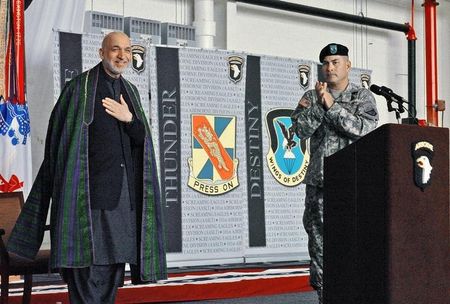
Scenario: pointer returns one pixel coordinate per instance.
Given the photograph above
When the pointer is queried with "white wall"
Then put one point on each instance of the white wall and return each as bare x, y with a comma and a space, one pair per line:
176, 11
266, 31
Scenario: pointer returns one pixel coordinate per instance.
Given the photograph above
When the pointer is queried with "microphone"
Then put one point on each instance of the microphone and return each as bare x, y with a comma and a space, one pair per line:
386, 93
390, 96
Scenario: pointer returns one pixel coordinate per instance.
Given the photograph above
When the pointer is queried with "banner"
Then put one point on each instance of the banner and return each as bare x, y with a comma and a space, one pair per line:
255, 159
230, 166
283, 82
169, 143
70, 56
212, 148
15, 146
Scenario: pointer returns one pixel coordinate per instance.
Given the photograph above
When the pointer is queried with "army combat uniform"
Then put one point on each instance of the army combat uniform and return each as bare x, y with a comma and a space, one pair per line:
352, 115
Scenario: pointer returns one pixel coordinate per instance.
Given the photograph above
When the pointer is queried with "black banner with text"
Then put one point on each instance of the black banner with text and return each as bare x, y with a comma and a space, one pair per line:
70, 56
168, 77
255, 160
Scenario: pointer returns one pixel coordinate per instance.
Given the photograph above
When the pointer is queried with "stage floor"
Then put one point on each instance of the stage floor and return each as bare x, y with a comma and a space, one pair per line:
195, 284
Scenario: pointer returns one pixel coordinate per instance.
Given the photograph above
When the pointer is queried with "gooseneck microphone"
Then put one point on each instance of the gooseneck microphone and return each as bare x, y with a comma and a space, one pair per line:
386, 93
390, 97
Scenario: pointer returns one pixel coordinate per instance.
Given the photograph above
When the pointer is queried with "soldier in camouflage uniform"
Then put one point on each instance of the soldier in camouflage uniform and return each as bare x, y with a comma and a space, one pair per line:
333, 115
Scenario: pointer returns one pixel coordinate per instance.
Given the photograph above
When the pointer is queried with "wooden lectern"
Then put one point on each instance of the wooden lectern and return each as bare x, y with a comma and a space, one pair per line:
386, 241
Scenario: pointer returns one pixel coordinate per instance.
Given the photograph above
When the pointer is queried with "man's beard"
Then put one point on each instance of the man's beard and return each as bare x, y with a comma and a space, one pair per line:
109, 65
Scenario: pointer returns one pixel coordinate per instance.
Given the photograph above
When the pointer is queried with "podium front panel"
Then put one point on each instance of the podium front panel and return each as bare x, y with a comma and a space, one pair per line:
386, 240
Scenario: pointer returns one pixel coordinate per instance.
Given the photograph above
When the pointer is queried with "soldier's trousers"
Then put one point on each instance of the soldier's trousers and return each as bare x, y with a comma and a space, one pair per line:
313, 223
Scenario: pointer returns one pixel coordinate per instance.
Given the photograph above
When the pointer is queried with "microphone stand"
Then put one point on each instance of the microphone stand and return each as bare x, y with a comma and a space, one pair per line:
397, 111
412, 120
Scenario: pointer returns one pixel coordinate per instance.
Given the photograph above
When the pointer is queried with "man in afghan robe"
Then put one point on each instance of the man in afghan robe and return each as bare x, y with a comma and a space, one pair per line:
100, 174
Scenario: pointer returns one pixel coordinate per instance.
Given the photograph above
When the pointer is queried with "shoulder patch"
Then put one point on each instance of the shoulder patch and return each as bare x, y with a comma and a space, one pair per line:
305, 103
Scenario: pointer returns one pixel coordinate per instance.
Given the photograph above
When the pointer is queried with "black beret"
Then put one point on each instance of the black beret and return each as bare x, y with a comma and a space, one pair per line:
333, 49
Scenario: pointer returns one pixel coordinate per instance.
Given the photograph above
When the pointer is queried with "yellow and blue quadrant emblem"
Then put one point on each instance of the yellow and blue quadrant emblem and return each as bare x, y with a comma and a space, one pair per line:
213, 165
288, 156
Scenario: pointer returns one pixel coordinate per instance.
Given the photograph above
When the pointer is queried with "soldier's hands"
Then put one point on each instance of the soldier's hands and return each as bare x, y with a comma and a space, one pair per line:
117, 110
323, 95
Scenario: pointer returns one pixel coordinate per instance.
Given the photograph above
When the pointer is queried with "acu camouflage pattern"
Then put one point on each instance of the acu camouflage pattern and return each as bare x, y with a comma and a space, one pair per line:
313, 223
353, 115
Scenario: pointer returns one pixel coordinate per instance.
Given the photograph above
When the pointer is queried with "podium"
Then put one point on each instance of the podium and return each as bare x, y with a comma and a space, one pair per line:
386, 240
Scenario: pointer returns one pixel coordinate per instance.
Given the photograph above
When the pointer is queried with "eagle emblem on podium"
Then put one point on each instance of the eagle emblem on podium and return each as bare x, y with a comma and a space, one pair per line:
422, 152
